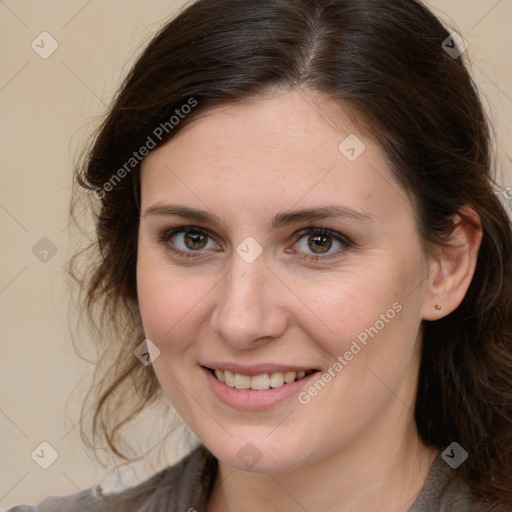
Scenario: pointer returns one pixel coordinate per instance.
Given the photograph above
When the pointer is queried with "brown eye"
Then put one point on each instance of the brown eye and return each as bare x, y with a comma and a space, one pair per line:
186, 241
319, 243
195, 240
315, 243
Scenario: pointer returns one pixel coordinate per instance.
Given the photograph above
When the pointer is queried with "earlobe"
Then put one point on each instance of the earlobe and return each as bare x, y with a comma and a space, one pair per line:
453, 266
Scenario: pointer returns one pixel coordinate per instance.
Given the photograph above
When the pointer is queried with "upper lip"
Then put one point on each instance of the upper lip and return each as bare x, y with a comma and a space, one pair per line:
256, 369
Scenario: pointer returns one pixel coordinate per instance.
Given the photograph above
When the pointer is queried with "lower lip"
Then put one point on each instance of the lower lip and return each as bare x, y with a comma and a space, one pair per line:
250, 399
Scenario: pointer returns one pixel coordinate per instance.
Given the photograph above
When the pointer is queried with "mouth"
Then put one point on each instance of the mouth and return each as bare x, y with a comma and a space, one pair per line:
261, 382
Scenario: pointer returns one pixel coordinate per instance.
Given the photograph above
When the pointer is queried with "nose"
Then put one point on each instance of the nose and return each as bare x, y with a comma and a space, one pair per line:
249, 310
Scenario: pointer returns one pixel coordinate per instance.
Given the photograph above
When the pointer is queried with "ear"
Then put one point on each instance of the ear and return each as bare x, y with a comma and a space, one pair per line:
453, 266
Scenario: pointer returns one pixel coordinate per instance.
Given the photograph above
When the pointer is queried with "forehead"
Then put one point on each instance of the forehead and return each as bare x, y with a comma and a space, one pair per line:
297, 121
270, 153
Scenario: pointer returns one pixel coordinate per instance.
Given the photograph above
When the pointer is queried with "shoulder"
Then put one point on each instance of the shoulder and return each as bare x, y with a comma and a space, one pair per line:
185, 484
444, 491
83, 501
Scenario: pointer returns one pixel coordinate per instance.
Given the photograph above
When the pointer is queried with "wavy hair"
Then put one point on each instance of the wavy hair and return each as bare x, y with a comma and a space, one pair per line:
384, 60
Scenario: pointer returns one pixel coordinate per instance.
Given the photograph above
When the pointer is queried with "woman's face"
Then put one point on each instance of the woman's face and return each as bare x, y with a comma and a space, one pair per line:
248, 287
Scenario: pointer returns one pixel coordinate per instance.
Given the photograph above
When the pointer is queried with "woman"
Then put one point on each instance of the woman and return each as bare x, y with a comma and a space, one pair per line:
300, 248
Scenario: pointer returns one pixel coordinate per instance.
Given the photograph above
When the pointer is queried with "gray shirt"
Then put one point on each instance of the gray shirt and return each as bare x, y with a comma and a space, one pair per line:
185, 486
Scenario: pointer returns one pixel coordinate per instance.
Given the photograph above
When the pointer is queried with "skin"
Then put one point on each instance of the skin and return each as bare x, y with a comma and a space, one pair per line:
354, 446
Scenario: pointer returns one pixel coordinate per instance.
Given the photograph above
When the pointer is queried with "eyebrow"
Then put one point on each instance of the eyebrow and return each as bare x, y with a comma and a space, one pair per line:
280, 220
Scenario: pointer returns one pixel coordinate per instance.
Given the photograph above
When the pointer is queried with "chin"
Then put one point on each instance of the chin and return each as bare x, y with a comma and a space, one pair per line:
258, 454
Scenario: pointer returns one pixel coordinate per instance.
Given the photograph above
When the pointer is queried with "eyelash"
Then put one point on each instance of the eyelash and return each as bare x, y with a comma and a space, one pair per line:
167, 234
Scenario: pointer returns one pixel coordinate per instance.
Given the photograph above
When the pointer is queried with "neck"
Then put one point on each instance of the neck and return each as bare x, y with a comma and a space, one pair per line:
365, 477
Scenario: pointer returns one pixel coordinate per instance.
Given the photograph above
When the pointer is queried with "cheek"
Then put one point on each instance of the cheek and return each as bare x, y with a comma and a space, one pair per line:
168, 301
372, 320
371, 314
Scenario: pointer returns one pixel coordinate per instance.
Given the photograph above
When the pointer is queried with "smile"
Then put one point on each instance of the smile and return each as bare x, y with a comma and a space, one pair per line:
259, 382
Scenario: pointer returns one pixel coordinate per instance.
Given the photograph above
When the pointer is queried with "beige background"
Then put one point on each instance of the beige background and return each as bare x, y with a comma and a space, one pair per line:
47, 107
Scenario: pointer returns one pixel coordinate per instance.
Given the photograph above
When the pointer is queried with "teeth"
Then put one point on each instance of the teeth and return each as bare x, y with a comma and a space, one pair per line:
276, 380
289, 377
229, 379
259, 382
242, 381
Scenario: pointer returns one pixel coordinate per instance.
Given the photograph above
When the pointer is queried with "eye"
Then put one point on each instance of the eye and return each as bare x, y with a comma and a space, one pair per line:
319, 241
188, 240
191, 241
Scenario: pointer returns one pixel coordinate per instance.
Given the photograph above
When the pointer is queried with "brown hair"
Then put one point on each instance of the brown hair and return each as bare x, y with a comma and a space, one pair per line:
385, 60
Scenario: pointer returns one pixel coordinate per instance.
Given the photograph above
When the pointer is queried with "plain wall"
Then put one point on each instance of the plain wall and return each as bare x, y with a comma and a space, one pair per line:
47, 108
